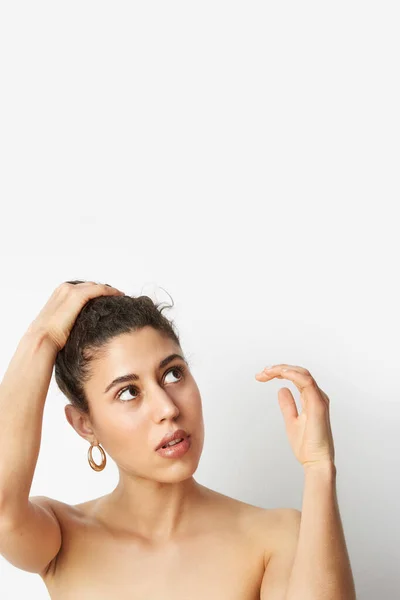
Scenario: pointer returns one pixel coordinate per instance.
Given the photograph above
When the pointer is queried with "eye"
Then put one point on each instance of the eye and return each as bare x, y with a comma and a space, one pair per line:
179, 369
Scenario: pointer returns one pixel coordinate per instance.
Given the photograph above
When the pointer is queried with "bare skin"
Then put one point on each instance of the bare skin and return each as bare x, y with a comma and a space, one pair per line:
222, 553
158, 534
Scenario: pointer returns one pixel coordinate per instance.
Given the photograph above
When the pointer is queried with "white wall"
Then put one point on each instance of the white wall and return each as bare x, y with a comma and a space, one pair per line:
245, 158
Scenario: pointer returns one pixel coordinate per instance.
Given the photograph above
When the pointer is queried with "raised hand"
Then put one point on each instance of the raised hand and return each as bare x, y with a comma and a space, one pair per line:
309, 433
58, 315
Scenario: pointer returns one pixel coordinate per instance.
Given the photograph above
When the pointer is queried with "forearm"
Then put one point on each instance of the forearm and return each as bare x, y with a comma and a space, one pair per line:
321, 569
23, 392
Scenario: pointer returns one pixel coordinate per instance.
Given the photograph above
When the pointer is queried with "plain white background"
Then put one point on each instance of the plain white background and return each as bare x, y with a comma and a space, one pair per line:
245, 157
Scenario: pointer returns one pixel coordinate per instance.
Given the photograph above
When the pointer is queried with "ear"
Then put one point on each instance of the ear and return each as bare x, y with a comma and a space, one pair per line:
80, 422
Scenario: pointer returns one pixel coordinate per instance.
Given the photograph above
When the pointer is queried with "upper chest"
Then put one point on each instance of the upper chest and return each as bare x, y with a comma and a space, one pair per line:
226, 561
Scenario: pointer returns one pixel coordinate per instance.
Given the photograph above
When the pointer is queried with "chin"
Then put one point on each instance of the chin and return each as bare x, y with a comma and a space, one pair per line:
176, 471
173, 478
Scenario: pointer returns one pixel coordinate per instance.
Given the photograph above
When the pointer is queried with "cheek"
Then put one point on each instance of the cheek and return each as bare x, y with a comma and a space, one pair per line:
128, 439
120, 428
191, 404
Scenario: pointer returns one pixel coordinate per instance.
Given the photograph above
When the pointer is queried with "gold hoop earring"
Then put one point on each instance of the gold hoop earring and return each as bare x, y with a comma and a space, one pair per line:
95, 466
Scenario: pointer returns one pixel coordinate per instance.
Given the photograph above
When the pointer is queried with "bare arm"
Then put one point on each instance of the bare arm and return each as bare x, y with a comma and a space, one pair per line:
23, 392
30, 534
280, 563
321, 568
24, 388
310, 561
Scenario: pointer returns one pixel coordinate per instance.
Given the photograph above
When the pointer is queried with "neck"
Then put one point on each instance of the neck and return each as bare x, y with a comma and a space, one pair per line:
155, 511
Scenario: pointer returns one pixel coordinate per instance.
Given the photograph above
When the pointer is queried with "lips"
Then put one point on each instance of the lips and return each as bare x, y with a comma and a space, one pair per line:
175, 435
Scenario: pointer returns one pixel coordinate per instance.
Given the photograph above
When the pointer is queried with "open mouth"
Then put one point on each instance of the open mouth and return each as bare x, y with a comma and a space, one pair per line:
173, 443
176, 448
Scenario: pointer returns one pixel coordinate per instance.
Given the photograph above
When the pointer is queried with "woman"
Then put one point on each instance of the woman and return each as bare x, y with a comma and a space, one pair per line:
159, 533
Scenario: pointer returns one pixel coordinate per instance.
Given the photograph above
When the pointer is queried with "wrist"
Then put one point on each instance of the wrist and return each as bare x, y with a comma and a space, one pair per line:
323, 466
38, 336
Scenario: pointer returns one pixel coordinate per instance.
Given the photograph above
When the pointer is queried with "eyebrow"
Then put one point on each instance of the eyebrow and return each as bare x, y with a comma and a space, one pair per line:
133, 377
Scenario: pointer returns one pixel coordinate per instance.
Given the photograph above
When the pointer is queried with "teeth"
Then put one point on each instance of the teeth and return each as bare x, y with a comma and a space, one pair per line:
173, 443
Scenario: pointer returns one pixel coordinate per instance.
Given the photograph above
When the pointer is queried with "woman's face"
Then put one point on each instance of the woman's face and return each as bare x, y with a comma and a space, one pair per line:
130, 418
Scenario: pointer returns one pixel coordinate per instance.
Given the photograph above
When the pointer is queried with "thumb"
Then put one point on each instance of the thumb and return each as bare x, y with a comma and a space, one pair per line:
288, 406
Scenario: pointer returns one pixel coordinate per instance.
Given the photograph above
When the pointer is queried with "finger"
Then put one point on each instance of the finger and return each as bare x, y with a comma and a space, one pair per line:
325, 397
111, 289
301, 378
105, 288
269, 373
275, 369
288, 406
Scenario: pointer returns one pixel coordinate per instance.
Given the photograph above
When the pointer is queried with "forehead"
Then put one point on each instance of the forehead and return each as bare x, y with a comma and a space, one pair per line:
139, 349
135, 354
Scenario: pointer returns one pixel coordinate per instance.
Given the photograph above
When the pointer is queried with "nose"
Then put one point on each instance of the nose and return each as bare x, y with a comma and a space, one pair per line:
162, 406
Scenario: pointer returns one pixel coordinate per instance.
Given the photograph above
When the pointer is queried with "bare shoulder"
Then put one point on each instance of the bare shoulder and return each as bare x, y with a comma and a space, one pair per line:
272, 529
51, 505
279, 530
55, 506
286, 519
278, 567
286, 527
63, 511
275, 519
271, 515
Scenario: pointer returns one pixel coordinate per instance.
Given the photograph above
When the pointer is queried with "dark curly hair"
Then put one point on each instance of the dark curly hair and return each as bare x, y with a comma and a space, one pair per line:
101, 319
